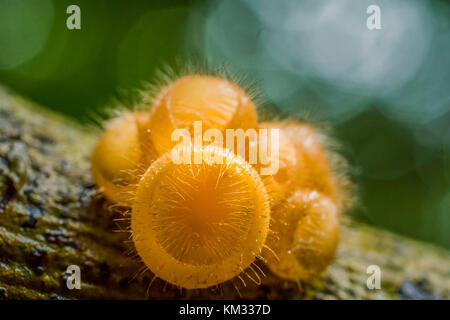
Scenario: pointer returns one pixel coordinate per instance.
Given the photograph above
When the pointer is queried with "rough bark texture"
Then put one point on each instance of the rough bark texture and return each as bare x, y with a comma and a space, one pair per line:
51, 217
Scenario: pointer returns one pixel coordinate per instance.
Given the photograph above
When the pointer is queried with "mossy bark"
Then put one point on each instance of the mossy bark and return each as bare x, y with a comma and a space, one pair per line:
51, 218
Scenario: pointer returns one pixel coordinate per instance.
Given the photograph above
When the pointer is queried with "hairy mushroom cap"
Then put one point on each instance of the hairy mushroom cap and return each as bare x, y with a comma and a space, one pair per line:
217, 102
118, 159
307, 236
198, 225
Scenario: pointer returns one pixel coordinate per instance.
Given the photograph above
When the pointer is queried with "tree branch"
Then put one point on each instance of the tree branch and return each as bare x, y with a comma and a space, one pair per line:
51, 218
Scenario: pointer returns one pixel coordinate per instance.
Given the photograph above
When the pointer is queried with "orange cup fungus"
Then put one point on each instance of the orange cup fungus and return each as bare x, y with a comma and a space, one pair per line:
119, 160
305, 226
218, 103
306, 236
198, 224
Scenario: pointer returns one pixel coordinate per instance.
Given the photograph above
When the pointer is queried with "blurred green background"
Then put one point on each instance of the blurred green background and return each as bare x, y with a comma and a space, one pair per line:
385, 92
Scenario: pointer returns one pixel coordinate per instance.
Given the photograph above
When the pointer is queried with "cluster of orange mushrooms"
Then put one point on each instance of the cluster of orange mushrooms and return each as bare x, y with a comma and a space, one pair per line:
196, 225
